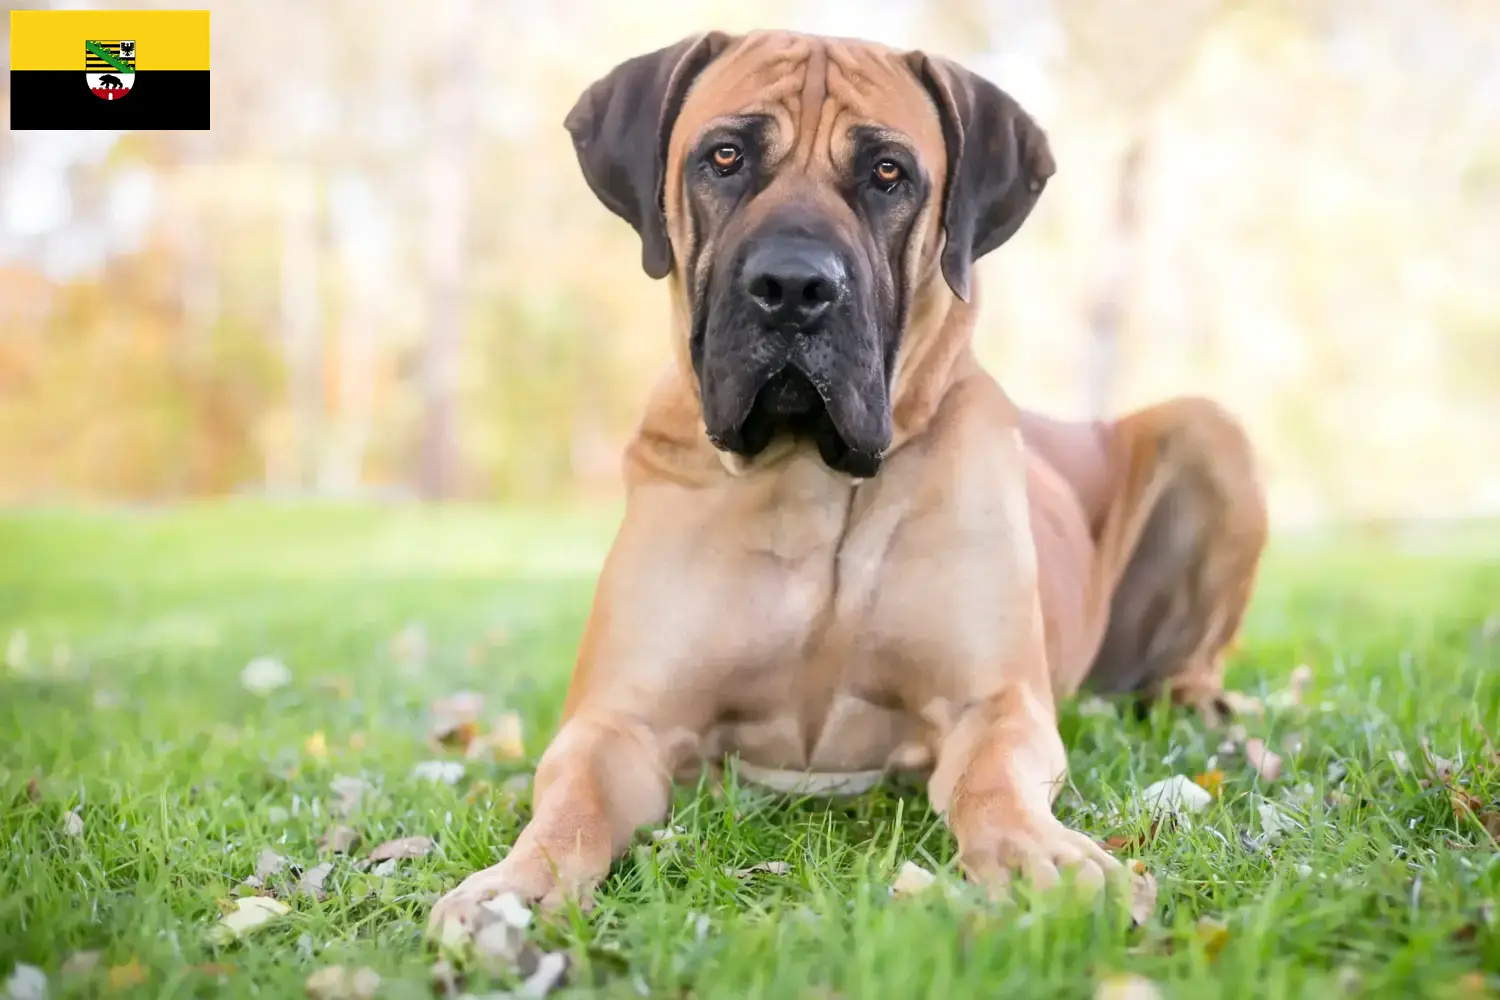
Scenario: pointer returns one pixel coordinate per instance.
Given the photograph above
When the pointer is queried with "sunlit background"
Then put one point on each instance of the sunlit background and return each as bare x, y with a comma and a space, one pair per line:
382, 275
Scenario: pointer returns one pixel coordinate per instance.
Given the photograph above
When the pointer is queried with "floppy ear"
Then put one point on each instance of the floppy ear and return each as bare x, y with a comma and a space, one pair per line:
998, 163
620, 127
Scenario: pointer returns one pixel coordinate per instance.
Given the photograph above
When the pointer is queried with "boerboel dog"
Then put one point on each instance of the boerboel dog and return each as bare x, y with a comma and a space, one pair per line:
845, 552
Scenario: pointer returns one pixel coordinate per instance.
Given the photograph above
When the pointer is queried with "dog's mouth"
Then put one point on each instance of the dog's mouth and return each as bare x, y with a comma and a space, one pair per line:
790, 403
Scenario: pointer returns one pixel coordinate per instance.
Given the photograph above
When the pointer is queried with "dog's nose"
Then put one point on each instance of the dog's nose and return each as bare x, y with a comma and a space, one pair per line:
794, 282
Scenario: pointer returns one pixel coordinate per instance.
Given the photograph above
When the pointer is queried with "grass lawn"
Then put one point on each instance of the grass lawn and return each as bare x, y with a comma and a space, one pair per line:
123, 636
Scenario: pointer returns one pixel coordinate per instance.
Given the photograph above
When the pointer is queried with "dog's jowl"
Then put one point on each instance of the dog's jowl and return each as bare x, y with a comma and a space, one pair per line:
845, 552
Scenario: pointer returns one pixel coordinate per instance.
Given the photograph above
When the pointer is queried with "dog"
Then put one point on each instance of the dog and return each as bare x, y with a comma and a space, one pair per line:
845, 552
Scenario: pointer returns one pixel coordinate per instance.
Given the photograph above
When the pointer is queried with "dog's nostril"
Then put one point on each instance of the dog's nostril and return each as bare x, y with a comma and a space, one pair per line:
767, 289
815, 293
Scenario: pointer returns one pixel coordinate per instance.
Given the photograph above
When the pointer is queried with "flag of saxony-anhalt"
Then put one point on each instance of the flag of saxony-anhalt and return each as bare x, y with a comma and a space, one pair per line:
109, 69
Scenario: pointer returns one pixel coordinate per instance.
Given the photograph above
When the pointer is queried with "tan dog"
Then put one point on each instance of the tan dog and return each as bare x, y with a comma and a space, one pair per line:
845, 552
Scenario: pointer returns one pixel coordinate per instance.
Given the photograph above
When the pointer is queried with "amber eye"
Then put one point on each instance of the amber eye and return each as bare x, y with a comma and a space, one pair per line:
888, 173
726, 159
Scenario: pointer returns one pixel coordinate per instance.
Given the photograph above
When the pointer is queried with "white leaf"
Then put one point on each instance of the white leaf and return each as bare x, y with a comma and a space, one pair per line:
1177, 794
548, 975
912, 879
313, 879
264, 674
446, 771
1142, 892
1274, 822
508, 909
73, 824
26, 982
249, 913
269, 863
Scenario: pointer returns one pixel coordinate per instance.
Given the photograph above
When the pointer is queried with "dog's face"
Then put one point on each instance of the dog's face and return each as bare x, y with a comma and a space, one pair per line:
807, 191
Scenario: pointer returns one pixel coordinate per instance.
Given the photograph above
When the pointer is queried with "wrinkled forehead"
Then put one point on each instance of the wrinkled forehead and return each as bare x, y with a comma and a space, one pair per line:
816, 92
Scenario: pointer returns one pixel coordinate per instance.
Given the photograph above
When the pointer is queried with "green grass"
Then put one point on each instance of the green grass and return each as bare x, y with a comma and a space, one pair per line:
126, 705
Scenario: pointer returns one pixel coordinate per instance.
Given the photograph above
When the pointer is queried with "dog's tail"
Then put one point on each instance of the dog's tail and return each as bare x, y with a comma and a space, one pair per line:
1180, 547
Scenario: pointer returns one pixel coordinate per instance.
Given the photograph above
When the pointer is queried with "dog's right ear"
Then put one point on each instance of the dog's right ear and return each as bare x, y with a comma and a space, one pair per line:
620, 127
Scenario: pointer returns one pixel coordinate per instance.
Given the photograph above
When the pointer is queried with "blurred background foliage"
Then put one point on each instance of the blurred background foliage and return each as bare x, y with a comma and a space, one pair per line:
381, 273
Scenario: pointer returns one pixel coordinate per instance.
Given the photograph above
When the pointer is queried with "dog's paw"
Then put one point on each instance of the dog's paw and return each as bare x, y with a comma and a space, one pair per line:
1042, 854
531, 878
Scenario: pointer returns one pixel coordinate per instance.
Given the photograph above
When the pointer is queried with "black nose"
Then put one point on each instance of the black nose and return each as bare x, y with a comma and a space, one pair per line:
793, 282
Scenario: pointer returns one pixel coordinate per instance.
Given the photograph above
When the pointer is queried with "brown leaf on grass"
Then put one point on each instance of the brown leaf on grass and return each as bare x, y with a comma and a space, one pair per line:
335, 982
1212, 934
34, 790
1266, 762
455, 721
505, 742
339, 840
1142, 891
1135, 841
1211, 782
1126, 986
123, 977
769, 867
1440, 768
404, 847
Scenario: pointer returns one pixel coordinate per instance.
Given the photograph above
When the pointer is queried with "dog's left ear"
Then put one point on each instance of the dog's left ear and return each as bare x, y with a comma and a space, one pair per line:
998, 163
620, 127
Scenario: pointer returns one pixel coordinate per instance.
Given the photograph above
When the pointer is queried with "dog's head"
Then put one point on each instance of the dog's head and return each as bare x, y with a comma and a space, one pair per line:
808, 191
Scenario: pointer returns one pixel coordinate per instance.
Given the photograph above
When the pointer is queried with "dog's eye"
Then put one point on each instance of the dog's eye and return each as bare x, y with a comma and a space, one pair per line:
726, 159
888, 174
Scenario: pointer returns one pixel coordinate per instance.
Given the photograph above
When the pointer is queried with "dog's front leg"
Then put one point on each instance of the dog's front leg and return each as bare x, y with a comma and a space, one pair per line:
602, 777
998, 771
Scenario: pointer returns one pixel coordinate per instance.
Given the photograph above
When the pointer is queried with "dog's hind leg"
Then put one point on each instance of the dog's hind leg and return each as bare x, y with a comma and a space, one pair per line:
1182, 541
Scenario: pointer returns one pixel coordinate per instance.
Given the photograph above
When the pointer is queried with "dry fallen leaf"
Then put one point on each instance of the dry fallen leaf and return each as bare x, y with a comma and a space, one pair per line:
404, 847
1177, 794
446, 771
339, 840
1126, 986
33, 790
455, 720
80, 963
1266, 762
123, 977
912, 879
73, 824
335, 982
350, 792
1212, 934
249, 913
1211, 782
264, 674
1142, 892
505, 742
313, 879
770, 867
267, 864
1274, 822
26, 982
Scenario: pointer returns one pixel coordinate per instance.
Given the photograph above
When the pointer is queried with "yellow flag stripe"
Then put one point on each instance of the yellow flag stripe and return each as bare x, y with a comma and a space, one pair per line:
53, 39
